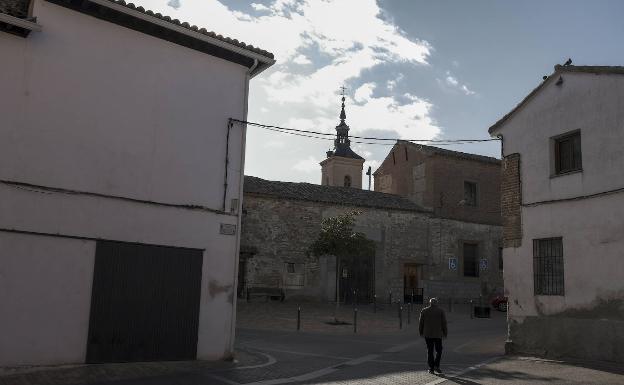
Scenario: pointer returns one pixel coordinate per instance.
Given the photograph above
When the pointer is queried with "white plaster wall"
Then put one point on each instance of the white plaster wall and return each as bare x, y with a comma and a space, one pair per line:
91, 106
592, 229
593, 248
591, 103
45, 292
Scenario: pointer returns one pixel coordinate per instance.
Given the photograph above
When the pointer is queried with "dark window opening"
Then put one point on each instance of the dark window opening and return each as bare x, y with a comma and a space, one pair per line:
548, 266
290, 267
568, 153
347, 181
470, 194
471, 260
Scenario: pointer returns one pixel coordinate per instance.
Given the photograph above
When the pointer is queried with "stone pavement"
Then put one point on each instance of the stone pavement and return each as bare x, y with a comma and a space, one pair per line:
272, 352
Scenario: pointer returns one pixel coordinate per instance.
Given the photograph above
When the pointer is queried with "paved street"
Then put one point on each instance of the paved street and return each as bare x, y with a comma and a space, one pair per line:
273, 352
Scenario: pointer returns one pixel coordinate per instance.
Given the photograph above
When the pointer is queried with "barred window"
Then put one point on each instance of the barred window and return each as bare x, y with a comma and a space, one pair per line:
548, 266
470, 193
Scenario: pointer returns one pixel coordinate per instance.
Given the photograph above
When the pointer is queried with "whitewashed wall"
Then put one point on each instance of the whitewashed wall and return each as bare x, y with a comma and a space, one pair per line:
592, 229
91, 106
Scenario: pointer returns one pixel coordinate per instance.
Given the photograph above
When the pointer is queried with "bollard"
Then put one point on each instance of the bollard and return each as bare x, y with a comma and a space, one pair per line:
400, 316
390, 301
374, 303
298, 317
409, 313
471, 309
355, 320
355, 298
412, 299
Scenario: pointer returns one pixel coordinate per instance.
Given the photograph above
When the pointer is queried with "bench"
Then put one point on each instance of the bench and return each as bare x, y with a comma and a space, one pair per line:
268, 292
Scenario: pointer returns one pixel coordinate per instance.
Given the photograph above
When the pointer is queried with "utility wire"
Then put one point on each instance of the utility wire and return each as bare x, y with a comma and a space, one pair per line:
302, 132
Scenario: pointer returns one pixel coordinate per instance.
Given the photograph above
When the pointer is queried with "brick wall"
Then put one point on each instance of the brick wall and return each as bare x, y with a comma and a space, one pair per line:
511, 200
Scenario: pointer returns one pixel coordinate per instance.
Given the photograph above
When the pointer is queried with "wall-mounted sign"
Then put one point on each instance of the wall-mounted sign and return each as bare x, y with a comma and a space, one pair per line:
453, 263
483, 264
227, 229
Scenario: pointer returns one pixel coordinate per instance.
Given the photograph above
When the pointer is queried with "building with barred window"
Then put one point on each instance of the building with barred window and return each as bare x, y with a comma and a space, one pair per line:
563, 215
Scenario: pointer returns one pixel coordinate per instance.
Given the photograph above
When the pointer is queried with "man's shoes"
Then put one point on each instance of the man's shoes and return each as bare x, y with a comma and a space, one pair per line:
431, 371
437, 369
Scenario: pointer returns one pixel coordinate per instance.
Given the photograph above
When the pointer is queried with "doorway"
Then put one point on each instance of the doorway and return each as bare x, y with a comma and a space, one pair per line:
144, 303
412, 276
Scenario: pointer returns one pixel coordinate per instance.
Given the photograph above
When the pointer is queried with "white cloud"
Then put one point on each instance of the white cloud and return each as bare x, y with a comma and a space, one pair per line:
310, 164
320, 45
452, 82
301, 59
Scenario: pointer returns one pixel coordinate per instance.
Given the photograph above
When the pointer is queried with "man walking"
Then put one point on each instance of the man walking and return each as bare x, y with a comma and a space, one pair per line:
432, 326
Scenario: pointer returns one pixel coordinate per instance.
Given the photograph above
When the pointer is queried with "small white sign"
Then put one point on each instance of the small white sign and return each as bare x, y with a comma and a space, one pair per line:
483, 264
453, 263
227, 229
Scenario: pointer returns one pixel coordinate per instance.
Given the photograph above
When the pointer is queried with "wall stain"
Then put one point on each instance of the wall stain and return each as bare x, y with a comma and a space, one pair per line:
214, 289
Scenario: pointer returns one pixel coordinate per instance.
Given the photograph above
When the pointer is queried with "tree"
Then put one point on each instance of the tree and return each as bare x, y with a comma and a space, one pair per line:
337, 238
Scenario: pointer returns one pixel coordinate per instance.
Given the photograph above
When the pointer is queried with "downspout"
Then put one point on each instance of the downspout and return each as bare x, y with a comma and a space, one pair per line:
240, 204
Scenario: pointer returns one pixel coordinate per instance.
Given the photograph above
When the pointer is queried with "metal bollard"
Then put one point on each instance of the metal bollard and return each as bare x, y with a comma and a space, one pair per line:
409, 313
298, 317
374, 303
412, 299
355, 298
390, 301
471, 309
355, 320
400, 316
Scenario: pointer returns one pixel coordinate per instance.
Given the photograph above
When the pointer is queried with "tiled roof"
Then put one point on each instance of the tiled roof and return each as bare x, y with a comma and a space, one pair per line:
347, 196
16, 8
558, 69
454, 154
194, 28
346, 152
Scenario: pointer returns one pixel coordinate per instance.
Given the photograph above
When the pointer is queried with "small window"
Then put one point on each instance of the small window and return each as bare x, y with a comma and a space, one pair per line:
548, 266
500, 258
295, 275
470, 194
568, 153
471, 260
347, 181
290, 268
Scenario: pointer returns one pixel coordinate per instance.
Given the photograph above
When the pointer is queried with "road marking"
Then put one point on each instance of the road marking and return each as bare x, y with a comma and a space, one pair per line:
303, 353
271, 361
399, 348
458, 348
461, 373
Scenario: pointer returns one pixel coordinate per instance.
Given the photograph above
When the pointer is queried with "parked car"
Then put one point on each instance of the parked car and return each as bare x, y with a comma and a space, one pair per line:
499, 303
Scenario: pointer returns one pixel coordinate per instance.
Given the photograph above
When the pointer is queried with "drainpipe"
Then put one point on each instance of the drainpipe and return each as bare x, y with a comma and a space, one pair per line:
240, 204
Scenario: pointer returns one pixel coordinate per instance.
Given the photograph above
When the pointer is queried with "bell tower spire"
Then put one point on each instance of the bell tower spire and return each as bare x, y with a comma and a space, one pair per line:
343, 167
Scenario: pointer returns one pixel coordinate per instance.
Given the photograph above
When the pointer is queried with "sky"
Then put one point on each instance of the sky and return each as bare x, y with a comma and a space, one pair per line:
412, 69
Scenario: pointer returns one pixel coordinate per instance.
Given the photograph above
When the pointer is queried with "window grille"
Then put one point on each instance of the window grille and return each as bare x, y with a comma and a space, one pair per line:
548, 266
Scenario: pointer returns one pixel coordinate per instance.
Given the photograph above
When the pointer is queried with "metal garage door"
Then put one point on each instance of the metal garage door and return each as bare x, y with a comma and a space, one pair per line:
144, 304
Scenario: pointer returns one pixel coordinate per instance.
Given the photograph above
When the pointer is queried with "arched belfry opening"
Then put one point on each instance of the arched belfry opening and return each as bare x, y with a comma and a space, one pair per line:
342, 167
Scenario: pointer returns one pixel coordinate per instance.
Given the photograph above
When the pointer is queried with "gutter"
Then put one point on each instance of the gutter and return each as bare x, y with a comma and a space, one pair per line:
248, 77
21, 23
267, 62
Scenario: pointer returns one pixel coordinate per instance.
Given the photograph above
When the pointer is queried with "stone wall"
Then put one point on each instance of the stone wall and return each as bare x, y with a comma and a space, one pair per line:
281, 230
511, 200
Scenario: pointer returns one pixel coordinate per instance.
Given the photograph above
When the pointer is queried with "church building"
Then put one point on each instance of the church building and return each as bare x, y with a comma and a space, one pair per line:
422, 246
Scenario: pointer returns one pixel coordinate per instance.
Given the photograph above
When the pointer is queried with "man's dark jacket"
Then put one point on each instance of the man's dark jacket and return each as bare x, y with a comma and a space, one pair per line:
432, 323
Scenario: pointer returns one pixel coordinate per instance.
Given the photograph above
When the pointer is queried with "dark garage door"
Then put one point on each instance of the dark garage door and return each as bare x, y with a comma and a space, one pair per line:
144, 303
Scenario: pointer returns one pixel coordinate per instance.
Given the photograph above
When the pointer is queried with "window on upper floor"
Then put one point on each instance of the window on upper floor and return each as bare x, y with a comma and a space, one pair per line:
347, 181
548, 266
568, 153
470, 193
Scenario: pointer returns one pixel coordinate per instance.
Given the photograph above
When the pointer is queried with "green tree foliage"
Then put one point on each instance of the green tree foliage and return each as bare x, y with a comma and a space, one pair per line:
338, 238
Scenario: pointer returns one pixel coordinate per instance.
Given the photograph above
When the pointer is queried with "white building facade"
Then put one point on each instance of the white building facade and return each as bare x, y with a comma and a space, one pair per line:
120, 183
563, 214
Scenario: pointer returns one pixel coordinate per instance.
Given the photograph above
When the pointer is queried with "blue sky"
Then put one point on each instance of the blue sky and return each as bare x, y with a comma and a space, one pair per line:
413, 69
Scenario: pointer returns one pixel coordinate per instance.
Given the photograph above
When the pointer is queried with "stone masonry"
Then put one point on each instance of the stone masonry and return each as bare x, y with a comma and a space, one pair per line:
511, 200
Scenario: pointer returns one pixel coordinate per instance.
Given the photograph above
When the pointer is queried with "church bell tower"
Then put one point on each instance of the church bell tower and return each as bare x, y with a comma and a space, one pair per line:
342, 167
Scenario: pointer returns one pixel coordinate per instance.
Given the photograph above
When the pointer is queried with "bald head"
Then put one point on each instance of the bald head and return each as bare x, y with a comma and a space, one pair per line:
433, 301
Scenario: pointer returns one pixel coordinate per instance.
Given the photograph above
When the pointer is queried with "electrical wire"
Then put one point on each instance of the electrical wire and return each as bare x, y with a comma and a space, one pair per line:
320, 135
